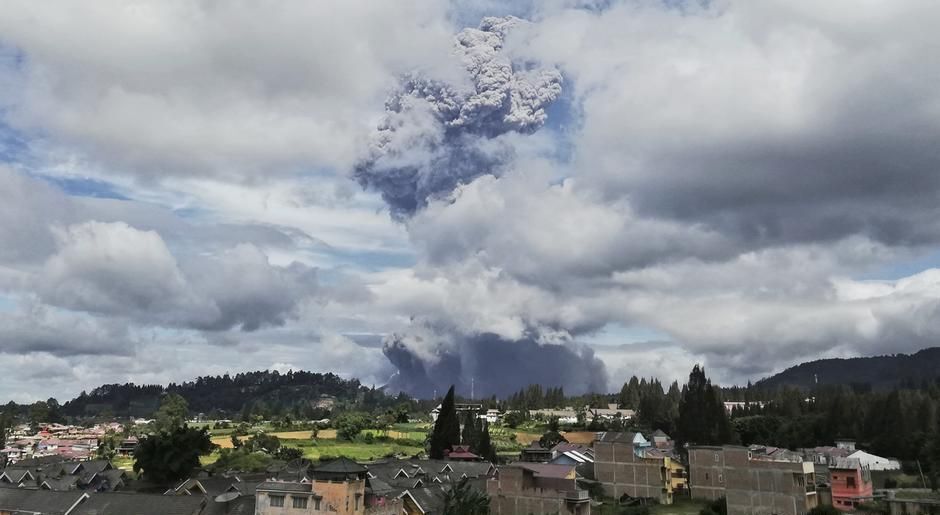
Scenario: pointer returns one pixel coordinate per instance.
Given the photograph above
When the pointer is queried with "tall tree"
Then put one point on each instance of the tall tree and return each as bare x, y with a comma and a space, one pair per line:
172, 413
470, 434
446, 432
167, 457
702, 417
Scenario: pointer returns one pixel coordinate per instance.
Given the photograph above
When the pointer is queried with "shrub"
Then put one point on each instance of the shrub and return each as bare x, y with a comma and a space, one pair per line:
825, 509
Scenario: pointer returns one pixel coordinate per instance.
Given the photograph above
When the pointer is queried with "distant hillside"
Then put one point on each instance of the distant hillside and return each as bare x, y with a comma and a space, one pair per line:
263, 393
877, 373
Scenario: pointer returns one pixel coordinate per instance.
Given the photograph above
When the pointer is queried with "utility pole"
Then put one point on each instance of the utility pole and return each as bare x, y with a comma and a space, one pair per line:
471, 388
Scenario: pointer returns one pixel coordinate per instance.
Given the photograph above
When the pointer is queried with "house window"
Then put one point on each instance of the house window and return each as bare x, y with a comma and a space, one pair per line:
706, 476
300, 502
716, 457
277, 501
850, 481
721, 478
316, 504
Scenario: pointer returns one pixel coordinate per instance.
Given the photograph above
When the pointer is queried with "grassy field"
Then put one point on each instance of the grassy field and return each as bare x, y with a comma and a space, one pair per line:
359, 451
408, 440
123, 463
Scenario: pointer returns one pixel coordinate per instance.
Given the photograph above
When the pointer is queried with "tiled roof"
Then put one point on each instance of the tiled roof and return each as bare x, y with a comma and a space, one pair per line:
286, 486
243, 505
117, 503
616, 437
546, 469
341, 466
41, 501
430, 500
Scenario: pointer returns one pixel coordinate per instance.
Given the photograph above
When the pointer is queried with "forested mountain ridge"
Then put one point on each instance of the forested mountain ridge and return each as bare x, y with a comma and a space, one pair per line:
880, 373
262, 393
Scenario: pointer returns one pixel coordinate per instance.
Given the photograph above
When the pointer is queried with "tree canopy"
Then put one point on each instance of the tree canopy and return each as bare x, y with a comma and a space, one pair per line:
171, 456
702, 416
172, 413
462, 499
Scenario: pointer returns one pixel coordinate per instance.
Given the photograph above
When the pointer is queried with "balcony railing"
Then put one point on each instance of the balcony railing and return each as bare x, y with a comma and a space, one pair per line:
577, 496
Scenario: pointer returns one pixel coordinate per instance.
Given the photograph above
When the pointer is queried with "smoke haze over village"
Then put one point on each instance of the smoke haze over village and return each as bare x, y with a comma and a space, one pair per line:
567, 192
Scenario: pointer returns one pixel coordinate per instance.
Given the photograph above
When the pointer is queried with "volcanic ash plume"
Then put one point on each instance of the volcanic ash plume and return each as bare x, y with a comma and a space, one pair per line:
495, 365
439, 134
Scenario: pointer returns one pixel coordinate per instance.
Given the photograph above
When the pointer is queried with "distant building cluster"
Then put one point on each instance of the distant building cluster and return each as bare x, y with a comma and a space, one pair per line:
52, 472
66, 441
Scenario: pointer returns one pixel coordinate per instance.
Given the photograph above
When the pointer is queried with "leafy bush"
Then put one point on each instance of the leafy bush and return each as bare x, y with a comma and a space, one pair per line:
717, 507
289, 454
349, 425
825, 509
241, 460
171, 456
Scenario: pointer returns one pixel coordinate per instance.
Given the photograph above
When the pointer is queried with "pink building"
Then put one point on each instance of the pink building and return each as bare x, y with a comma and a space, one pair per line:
851, 483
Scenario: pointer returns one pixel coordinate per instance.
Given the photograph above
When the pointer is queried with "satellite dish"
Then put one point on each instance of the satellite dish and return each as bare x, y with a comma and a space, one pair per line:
226, 497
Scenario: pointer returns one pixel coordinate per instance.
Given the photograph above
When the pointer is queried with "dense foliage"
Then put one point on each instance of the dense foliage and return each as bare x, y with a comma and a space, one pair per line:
463, 499
265, 394
718, 506
167, 457
702, 417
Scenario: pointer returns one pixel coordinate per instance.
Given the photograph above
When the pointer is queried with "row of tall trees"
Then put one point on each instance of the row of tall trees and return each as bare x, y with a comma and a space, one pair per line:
535, 397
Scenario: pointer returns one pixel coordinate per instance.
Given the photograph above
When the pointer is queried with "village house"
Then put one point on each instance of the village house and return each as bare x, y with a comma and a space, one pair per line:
337, 487
627, 464
754, 481
461, 408
54, 473
325, 401
611, 412
535, 453
537, 489
389, 479
566, 415
873, 462
491, 416
850, 482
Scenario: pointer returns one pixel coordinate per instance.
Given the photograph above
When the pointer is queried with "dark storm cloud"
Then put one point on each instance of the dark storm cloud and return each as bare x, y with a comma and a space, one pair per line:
40, 330
882, 186
439, 134
772, 124
495, 366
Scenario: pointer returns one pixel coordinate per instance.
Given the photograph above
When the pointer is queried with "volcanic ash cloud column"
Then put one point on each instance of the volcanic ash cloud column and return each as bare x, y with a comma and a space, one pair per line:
438, 134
